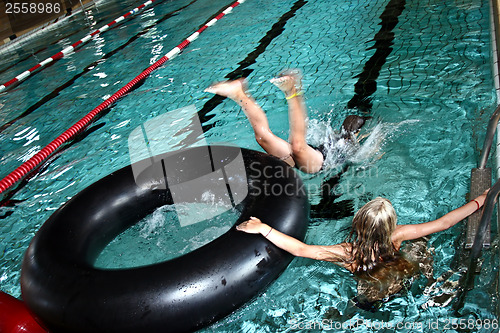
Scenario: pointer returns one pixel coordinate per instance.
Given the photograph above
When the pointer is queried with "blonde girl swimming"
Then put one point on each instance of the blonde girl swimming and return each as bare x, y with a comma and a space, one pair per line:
371, 251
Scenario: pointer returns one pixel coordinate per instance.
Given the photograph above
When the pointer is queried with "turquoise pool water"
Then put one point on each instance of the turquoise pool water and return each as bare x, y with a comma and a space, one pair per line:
421, 70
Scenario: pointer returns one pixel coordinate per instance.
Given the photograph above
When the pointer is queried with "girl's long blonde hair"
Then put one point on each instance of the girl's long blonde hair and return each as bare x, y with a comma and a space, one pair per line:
371, 233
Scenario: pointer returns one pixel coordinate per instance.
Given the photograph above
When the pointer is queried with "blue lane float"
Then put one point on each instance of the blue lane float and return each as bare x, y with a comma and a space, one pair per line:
64, 290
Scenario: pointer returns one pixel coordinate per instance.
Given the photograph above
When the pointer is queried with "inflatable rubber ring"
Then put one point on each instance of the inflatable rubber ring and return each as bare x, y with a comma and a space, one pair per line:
64, 290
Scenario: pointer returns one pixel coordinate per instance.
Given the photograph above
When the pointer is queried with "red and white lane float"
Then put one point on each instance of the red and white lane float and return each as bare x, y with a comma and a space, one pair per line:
31, 164
64, 290
71, 48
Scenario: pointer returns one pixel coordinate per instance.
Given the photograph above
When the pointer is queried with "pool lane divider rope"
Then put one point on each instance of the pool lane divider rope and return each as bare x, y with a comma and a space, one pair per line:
71, 48
44, 153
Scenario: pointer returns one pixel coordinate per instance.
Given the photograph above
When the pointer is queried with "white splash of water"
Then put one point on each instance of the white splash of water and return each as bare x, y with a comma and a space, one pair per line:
367, 149
153, 223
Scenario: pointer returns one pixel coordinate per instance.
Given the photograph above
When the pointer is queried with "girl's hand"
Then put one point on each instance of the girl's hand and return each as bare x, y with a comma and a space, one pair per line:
252, 226
482, 198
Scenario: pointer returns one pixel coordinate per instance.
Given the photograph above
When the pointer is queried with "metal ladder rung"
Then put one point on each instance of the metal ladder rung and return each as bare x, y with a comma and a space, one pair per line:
480, 181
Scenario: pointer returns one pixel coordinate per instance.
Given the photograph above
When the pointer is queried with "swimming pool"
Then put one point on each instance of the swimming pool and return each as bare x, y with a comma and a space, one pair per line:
426, 82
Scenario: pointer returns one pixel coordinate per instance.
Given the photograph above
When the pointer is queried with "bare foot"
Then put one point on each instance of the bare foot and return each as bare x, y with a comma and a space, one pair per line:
288, 81
230, 89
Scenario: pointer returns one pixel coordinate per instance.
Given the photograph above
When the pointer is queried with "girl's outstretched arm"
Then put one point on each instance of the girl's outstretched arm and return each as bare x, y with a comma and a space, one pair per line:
414, 231
334, 253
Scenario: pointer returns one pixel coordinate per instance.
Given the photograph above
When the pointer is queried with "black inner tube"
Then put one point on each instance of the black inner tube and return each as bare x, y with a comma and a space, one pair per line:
67, 293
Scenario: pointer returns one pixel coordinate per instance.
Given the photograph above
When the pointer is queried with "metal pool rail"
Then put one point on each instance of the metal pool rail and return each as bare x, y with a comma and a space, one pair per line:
478, 228
31, 164
480, 181
482, 232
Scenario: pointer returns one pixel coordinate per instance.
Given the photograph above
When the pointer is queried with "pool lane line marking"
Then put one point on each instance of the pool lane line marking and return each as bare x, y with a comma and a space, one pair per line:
71, 48
384, 39
363, 89
244, 69
67, 135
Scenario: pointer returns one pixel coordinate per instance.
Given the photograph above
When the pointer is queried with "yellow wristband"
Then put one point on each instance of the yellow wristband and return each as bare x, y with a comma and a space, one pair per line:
295, 95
